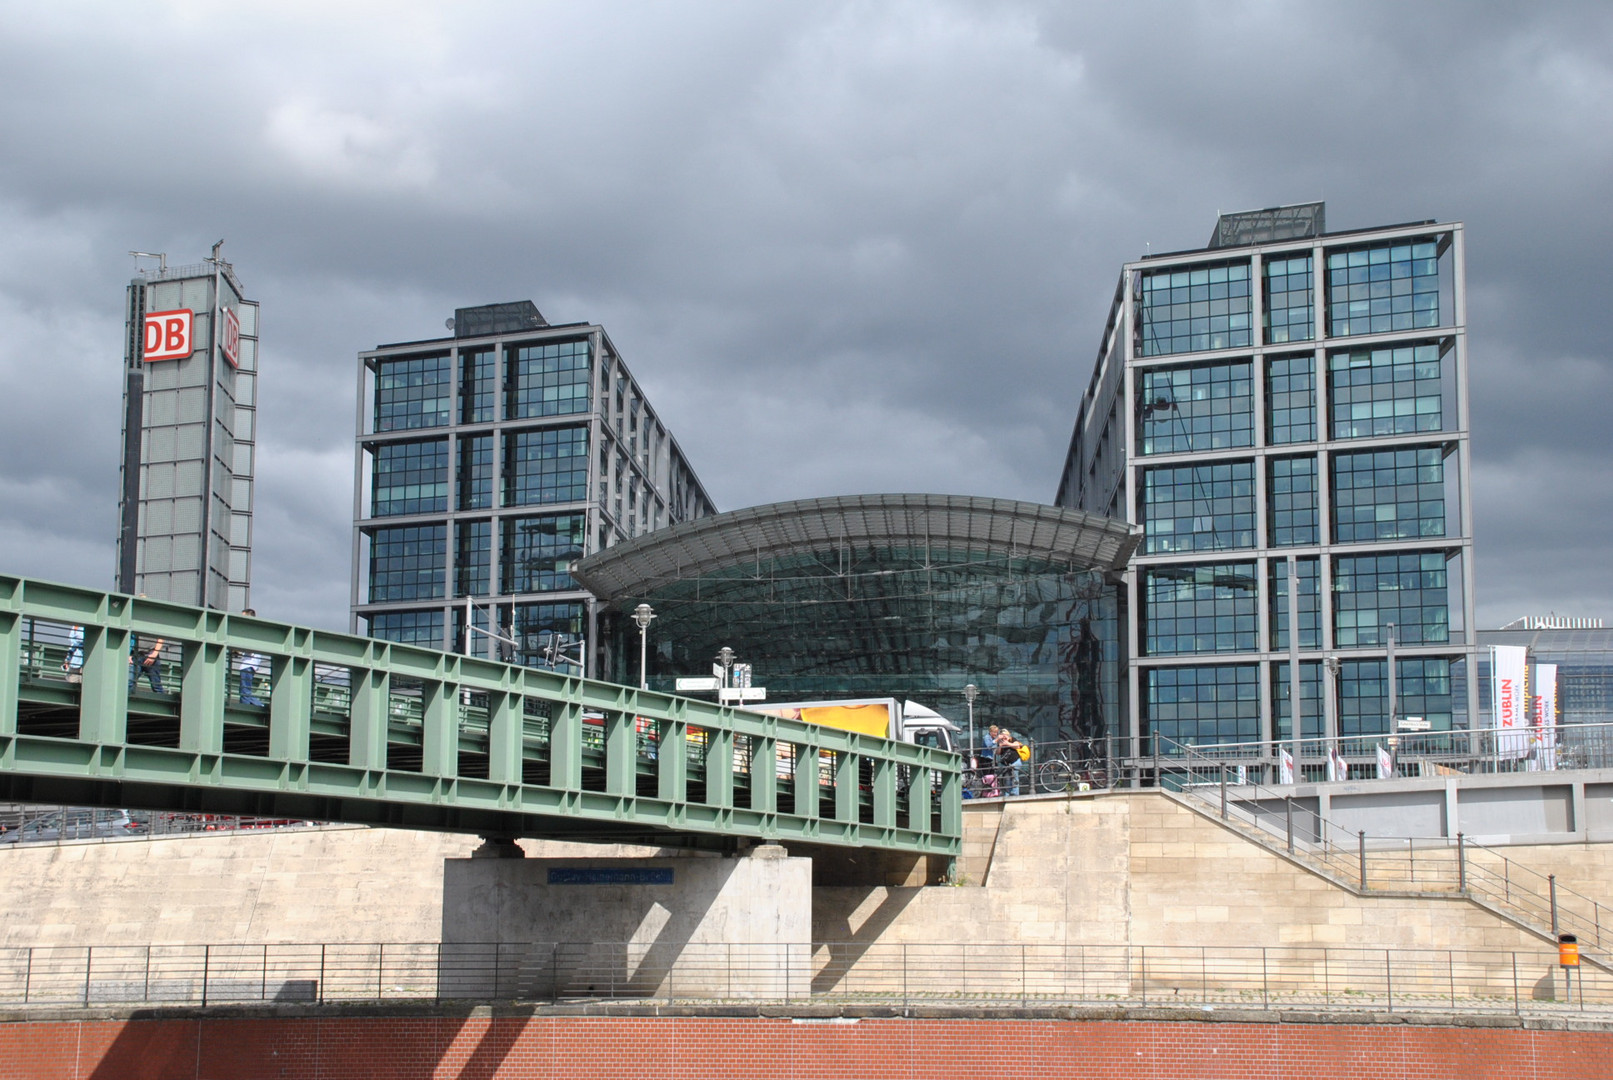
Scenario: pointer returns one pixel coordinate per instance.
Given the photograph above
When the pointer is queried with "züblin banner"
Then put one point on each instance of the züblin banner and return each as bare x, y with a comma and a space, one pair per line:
1509, 700
1546, 715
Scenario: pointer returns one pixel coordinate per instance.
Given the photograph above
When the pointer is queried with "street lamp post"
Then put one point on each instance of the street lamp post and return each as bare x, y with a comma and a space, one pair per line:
1394, 703
642, 615
970, 692
725, 657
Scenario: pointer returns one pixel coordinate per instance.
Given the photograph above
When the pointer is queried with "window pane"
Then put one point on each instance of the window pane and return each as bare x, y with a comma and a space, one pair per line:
1191, 310
412, 392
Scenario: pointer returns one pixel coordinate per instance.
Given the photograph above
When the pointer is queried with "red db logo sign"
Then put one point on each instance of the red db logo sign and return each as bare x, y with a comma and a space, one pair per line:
231, 342
168, 335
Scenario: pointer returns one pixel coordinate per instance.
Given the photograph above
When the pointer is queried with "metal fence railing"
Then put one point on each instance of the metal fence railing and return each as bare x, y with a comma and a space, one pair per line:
974, 974
1403, 754
29, 824
1057, 767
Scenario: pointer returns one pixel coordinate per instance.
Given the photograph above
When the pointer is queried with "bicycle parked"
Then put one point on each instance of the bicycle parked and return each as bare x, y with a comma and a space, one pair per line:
1063, 772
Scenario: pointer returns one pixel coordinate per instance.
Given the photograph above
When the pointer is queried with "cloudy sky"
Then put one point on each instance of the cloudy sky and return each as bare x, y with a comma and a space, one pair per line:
899, 219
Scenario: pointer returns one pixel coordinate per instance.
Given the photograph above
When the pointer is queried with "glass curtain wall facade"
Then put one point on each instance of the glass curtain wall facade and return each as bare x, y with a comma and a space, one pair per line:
1302, 395
898, 622
487, 464
873, 596
189, 436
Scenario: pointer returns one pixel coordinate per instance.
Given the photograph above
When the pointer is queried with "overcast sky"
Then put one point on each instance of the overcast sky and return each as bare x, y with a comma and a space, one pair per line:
845, 247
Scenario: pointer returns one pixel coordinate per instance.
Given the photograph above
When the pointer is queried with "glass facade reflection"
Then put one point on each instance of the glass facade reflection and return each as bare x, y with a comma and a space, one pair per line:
411, 478
1310, 700
1395, 390
1293, 510
407, 562
1203, 608
1389, 494
538, 552
1039, 641
1201, 706
535, 417
1290, 314
1203, 407
1383, 288
1348, 452
1310, 603
1430, 687
412, 392
1408, 589
1194, 309
904, 596
1199, 507
546, 466
1291, 399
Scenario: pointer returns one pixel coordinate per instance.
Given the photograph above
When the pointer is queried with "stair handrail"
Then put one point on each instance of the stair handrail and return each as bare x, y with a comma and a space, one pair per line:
1508, 885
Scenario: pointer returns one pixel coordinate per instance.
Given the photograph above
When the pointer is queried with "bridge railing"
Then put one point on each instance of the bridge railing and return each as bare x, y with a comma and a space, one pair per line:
336, 727
1524, 982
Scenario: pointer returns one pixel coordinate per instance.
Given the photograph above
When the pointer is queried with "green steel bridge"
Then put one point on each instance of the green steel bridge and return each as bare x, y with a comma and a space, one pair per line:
349, 729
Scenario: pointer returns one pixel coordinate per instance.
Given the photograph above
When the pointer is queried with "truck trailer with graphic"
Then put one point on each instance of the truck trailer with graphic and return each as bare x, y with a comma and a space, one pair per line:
886, 718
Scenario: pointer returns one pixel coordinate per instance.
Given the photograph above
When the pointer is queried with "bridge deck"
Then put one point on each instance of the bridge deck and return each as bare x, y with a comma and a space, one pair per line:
359, 730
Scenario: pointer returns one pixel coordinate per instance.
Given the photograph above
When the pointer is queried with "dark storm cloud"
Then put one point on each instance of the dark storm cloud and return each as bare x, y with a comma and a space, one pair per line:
845, 247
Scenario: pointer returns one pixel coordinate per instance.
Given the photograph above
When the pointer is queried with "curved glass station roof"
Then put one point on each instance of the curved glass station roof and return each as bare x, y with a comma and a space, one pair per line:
906, 595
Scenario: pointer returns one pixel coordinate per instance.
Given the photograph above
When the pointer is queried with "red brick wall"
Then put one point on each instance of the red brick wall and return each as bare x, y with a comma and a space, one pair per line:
714, 1048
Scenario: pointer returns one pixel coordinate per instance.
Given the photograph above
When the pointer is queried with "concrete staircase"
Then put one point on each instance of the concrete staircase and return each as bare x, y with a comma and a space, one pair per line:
1466, 873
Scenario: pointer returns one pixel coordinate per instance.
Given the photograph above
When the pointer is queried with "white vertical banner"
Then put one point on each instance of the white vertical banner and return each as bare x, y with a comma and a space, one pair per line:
1285, 766
1546, 715
1508, 670
1337, 768
1386, 763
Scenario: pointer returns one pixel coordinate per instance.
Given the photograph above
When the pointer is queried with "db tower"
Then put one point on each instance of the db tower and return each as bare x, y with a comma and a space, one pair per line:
189, 427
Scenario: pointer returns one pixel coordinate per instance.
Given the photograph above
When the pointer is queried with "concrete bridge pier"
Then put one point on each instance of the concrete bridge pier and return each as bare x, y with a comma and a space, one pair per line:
681, 926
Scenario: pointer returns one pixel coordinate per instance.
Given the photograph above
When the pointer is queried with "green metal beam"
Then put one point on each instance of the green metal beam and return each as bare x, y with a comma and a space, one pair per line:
372, 732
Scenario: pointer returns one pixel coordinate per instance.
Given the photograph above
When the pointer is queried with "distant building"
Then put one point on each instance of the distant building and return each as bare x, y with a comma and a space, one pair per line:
1288, 391
1580, 654
487, 464
189, 428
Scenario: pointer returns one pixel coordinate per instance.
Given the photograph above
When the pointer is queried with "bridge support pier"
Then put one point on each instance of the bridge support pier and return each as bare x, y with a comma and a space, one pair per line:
498, 847
695, 926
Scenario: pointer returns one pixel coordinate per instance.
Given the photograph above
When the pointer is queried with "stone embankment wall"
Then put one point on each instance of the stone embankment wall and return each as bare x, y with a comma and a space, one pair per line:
1114, 869
1141, 869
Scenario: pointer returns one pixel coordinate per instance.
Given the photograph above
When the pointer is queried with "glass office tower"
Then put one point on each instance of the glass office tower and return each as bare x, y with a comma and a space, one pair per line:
487, 463
190, 365
1287, 391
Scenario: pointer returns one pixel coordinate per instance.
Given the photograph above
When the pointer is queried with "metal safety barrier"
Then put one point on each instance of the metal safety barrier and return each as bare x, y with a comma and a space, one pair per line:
849, 973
